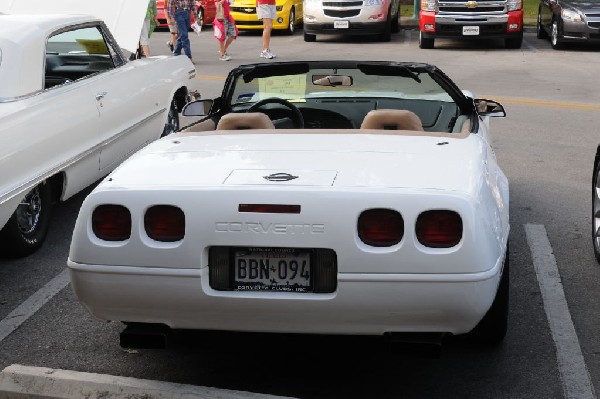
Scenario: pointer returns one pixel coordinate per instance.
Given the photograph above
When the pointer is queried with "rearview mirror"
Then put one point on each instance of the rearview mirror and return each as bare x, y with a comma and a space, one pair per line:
489, 108
197, 108
332, 80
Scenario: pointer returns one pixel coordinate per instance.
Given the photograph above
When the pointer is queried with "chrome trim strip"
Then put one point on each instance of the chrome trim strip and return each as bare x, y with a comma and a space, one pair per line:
490, 19
28, 185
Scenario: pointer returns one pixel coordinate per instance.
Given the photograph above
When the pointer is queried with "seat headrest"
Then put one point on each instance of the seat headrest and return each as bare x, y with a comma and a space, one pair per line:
246, 120
392, 119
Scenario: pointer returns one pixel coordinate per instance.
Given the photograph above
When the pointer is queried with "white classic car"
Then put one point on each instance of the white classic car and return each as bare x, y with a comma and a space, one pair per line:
72, 107
322, 197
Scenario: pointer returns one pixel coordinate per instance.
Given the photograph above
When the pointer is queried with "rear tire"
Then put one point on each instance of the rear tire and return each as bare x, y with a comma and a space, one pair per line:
425, 42
386, 35
26, 230
491, 330
309, 38
201, 16
540, 31
396, 23
172, 123
291, 22
555, 40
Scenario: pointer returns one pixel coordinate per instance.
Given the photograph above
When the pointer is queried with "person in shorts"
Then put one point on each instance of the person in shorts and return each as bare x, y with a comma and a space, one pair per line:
172, 28
225, 30
265, 9
150, 22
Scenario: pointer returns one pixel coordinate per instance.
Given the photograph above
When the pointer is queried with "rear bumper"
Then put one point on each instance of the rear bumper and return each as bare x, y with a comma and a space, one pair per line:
363, 304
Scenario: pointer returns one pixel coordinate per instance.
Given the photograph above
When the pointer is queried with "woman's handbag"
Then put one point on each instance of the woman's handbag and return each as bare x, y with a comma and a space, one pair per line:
220, 14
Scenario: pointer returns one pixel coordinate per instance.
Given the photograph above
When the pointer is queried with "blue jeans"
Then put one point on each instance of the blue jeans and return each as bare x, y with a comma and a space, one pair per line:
182, 17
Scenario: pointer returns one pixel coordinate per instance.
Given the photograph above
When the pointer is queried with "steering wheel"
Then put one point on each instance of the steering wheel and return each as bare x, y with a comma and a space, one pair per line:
294, 113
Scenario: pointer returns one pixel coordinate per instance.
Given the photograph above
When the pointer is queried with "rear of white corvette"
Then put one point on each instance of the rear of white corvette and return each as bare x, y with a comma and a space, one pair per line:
304, 233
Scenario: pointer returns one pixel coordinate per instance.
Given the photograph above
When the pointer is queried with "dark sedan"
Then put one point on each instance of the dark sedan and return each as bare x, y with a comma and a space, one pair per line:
568, 20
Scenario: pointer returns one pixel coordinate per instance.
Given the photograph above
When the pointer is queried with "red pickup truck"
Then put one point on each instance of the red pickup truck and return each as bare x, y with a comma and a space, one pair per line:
469, 19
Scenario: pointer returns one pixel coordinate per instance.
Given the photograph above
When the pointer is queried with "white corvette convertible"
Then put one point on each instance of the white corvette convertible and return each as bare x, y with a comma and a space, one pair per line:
329, 197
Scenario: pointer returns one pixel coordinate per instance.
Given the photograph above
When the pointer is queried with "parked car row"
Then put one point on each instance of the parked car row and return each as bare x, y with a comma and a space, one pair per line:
560, 20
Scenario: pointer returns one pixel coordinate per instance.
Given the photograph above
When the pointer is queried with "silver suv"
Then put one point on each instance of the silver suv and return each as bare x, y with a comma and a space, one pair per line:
351, 17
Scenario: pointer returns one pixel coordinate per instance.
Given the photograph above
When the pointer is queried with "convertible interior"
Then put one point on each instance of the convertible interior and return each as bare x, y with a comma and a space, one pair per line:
342, 95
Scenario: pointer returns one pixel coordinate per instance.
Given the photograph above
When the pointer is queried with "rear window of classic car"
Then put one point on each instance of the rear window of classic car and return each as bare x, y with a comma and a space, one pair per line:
75, 54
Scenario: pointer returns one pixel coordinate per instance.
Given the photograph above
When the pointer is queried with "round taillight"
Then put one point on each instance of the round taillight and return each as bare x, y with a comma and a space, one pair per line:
380, 227
111, 222
165, 223
439, 228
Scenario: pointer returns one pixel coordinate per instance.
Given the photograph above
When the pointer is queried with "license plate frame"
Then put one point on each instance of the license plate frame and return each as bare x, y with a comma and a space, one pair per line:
470, 30
272, 269
341, 24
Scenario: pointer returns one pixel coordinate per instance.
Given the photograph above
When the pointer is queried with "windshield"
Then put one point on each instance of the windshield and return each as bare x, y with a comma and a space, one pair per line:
337, 83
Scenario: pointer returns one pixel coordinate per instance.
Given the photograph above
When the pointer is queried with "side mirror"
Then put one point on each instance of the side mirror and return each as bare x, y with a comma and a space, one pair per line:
489, 108
197, 108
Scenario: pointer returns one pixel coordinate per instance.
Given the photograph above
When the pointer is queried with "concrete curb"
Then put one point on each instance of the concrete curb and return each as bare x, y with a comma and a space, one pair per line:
17, 381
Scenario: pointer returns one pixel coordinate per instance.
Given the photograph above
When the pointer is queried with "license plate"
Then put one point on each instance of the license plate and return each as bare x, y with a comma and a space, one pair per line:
470, 30
271, 269
341, 24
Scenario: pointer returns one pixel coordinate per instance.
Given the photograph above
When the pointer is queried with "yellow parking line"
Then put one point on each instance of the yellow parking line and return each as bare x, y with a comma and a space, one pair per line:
209, 77
546, 104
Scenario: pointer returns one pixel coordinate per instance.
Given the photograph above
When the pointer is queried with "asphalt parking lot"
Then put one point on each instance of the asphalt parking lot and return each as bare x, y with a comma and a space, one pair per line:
546, 147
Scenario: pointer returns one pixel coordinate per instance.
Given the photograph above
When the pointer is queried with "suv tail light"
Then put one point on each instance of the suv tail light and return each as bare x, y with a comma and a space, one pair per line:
111, 222
380, 227
165, 223
439, 228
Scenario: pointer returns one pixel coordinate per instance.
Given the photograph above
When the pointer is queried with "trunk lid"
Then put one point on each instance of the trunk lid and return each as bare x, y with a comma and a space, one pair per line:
303, 160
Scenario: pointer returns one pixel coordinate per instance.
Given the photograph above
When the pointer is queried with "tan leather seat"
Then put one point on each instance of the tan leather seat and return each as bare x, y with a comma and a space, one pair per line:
392, 119
246, 120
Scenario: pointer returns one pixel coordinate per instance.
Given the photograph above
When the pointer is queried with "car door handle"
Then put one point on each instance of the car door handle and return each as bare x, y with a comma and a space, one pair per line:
100, 96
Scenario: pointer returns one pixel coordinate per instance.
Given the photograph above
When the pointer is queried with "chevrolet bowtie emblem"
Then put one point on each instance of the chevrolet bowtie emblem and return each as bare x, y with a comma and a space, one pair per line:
280, 177
249, 10
471, 4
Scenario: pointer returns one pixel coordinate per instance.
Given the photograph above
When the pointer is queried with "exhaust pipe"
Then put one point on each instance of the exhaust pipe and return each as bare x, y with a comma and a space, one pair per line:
144, 336
425, 344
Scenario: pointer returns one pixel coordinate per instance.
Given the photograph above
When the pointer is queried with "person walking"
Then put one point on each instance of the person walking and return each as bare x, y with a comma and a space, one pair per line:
150, 22
179, 10
224, 28
172, 28
265, 9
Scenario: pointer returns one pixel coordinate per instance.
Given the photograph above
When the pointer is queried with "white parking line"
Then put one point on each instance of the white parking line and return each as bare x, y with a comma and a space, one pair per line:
32, 304
571, 364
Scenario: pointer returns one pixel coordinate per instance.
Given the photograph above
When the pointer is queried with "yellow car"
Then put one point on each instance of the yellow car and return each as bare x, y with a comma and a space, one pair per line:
289, 15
